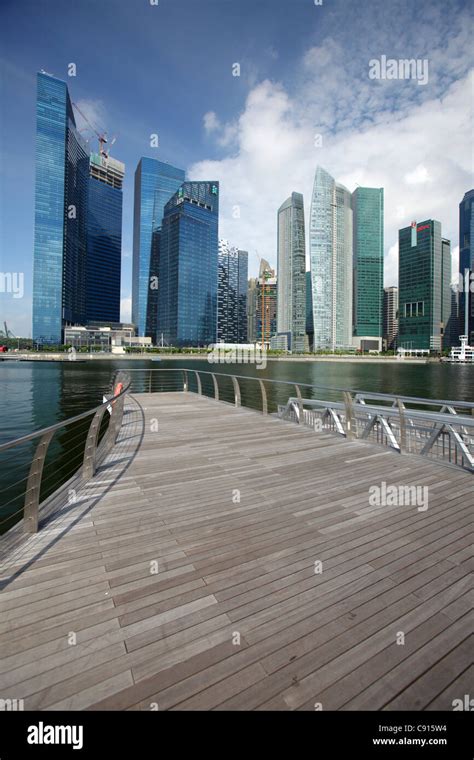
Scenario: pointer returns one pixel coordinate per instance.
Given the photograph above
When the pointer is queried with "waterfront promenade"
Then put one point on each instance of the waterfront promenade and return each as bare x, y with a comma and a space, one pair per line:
221, 558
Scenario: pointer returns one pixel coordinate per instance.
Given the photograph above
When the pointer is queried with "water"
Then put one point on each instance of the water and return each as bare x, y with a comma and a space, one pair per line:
34, 395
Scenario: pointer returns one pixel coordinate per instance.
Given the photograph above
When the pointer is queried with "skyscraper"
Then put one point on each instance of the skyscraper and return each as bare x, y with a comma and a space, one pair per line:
424, 287
251, 309
104, 239
265, 315
331, 262
368, 219
466, 262
390, 317
155, 183
309, 312
291, 314
188, 266
62, 170
232, 294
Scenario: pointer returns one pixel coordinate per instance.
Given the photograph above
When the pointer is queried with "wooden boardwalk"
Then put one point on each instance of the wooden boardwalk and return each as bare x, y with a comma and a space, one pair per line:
185, 575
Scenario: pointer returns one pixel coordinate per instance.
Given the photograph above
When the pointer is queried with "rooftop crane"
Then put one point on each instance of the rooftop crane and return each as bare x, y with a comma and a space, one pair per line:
101, 136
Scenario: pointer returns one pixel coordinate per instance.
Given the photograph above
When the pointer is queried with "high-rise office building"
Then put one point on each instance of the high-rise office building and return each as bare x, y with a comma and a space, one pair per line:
291, 307
104, 239
155, 183
466, 262
265, 316
62, 171
424, 287
242, 327
368, 266
188, 266
309, 313
390, 318
251, 309
232, 294
331, 262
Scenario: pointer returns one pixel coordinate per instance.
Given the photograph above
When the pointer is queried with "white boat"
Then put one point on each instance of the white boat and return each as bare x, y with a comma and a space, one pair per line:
462, 354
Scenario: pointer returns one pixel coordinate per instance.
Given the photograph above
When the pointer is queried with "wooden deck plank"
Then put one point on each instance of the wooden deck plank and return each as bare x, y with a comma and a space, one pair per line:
246, 566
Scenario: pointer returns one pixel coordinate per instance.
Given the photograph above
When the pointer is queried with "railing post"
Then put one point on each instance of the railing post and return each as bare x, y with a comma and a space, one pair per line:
216, 387
185, 384
235, 383
264, 397
88, 466
149, 381
33, 486
351, 428
198, 381
403, 426
300, 404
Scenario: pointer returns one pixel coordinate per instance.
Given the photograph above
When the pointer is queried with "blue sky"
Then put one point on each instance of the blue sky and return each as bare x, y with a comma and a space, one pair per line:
167, 69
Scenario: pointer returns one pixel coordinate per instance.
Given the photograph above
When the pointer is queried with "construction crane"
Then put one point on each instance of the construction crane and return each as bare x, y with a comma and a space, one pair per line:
6, 332
101, 136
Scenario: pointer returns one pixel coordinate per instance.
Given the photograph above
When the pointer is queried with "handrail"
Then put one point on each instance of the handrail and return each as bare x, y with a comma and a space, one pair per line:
437, 428
34, 479
64, 423
365, 394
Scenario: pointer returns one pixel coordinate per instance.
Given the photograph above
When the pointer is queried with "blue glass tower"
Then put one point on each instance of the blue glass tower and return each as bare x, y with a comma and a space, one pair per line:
232, 294
155, 183
62, 162
466, 261
104, 239
188, 266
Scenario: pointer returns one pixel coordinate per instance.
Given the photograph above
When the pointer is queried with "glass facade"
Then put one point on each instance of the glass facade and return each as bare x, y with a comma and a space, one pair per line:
77, 247
291, 314
104, 247
188, 266
368, 243
309, 311
466, 261
331, 257
424, 287
59, 205
155, 183
232, 294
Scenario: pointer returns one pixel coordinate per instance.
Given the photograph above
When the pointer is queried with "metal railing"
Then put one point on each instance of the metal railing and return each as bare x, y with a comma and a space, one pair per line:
438, 429
92, 442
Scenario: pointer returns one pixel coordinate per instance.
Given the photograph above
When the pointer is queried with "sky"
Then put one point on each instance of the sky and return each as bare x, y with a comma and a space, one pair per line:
304, 97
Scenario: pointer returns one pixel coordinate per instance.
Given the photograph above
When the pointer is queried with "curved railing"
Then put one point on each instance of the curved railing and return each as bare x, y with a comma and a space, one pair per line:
442, 430
93, 433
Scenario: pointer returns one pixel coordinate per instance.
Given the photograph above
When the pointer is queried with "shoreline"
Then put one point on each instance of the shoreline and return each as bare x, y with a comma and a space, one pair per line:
60, 357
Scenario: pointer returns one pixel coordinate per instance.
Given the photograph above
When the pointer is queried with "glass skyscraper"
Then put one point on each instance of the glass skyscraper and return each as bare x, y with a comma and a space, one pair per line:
155, 183
188, 266
291, 284
424, 287
466, 261
368, 219
331, 247
62, 170
104, 239
232, 294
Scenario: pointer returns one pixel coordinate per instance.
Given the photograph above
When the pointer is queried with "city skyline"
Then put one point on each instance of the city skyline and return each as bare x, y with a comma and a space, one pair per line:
251, 132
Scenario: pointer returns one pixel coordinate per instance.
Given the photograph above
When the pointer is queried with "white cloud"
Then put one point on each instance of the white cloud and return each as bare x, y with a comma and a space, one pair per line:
420, 154
419, 176
211, 122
